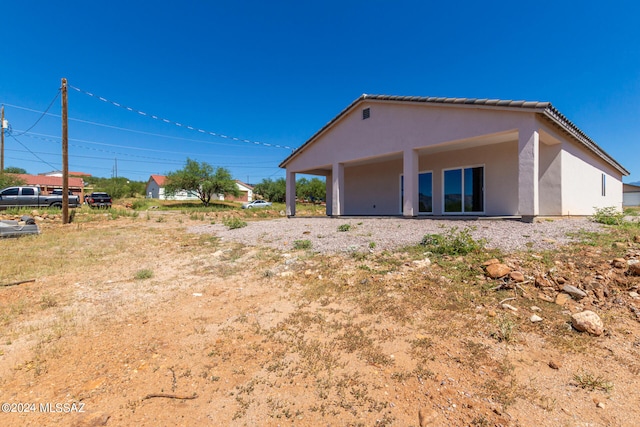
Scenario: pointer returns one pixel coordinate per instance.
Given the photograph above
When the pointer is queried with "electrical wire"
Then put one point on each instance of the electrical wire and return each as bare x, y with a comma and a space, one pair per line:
34, 154
49, 138
142, 113
157, 135
44, 113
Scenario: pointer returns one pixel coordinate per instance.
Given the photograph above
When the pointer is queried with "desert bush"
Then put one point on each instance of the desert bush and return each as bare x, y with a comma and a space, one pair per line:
608, 216
233, 223
302, 244
454, 242
344, 227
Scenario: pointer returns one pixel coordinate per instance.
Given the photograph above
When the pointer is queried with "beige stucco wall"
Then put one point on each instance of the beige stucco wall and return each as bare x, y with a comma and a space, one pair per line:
374, 189
582, 182
530, 166
392, 128
550, 178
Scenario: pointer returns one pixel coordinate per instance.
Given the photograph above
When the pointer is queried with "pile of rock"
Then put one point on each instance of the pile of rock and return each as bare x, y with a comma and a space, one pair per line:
37, 215
615, 281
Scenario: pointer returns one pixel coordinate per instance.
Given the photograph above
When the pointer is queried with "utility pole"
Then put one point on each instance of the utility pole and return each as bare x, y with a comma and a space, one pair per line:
65, 155
2, 143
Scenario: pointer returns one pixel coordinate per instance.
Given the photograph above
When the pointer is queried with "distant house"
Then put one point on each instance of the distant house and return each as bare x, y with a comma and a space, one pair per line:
415, 156
71, 173
630, 195
156, 190
49, 183
246, 193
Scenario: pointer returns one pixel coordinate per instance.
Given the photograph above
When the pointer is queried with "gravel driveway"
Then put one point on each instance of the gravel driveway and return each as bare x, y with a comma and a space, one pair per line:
391, 233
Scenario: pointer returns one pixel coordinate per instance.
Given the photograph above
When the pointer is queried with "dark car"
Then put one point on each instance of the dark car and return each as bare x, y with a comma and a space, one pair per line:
98, 200
58, 192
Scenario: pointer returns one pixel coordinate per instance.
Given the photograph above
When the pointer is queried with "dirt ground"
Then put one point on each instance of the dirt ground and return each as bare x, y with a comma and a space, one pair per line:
133, 321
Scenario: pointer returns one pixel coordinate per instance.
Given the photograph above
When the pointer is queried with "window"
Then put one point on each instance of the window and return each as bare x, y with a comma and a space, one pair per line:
366, 113
464, 190
28, 192
10, 192
604, 185
425, 192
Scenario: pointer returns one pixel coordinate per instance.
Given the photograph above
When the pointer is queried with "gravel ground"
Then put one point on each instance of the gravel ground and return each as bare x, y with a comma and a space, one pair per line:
391, 233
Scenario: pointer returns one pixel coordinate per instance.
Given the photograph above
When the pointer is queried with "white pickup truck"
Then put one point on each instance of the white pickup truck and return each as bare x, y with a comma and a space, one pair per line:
32, 197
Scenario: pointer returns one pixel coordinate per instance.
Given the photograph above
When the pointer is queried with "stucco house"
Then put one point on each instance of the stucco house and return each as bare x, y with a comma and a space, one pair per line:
631, 194
48, 183
413, 156
156, 190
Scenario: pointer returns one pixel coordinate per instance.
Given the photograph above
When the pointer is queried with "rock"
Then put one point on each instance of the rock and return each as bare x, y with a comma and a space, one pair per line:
535, 308
587, 321
495, 271
545, 297
634, 295
516, 276
509, 307
95, 419
554, 364
636, 238
619, 263
562, 299
491, 313
422, 262
619, 245
535, 318
491, 261
576, 293
634, 268
541, 282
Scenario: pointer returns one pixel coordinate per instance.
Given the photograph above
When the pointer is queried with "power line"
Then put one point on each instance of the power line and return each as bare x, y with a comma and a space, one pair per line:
48, 138
158, 135
44, 113
34, 154
142, 113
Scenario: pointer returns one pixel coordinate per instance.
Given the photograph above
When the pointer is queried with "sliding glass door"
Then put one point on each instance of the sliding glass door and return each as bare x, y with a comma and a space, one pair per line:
464, 190
425, 192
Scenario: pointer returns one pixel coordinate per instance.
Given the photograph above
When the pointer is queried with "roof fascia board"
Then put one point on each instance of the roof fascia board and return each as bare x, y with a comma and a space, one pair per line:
565, 124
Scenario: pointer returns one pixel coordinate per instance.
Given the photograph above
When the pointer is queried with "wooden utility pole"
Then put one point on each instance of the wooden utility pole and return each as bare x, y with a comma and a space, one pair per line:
2, 143
65, 155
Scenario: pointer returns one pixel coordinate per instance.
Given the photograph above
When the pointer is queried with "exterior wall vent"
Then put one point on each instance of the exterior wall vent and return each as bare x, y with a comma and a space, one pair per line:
366, 113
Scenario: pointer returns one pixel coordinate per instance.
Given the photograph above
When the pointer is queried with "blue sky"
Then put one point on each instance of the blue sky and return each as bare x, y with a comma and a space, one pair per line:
274, 72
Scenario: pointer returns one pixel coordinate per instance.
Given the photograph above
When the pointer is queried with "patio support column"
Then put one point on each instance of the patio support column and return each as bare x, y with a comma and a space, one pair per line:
337, 187
528, 169
410, 173
328, 186
291, 193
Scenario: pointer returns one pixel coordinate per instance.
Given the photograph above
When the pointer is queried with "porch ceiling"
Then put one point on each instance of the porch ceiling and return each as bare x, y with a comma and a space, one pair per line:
479, 141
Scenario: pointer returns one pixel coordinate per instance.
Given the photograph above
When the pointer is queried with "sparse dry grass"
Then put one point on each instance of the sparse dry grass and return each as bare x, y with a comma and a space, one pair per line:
364, 339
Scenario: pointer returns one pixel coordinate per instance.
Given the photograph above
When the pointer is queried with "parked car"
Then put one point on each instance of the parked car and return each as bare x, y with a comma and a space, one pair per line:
98, 200
32, 197
58, 192
256, 204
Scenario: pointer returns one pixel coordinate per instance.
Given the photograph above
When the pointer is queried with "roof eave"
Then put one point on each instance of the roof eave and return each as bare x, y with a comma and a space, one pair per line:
559, 119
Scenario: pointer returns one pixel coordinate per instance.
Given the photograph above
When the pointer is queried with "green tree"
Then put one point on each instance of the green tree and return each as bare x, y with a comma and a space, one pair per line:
274, 191
9, 180
314, 189
13, 169
203, 179
117, 187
